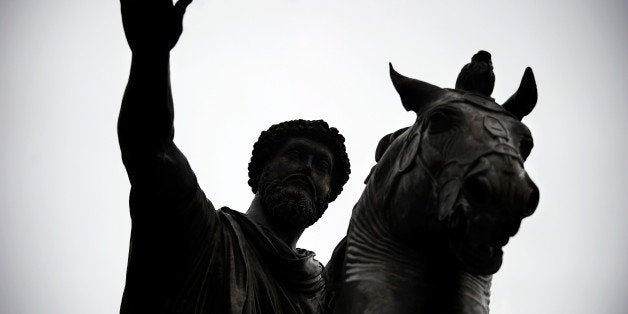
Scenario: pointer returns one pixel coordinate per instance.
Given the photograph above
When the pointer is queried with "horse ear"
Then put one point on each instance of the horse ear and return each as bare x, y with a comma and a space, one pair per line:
524, 99
414, 94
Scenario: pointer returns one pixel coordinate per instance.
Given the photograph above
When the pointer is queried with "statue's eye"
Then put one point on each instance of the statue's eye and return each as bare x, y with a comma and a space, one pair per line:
525, 147
439, 122
323, 166
293, 154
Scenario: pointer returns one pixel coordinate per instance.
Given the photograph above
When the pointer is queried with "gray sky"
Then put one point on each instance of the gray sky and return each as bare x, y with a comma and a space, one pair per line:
241, 66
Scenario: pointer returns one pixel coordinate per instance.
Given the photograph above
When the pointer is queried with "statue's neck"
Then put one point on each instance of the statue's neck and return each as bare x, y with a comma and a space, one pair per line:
417, 278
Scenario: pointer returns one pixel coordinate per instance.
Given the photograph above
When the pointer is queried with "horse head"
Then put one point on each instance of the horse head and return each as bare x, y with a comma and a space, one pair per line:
457, 175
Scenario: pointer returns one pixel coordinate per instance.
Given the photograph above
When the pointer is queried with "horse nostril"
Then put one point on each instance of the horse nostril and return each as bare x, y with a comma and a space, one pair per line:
514, 228
533, 201
478, 190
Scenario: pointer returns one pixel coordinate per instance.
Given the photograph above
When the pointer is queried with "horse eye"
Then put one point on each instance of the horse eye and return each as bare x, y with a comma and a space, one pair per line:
525, 147
439, 122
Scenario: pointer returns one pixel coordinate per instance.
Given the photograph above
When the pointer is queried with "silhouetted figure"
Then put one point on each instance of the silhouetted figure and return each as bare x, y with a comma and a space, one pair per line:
187, 257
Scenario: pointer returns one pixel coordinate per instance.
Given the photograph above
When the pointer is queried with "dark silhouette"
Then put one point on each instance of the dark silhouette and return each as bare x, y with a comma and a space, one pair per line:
186, 257
443, 199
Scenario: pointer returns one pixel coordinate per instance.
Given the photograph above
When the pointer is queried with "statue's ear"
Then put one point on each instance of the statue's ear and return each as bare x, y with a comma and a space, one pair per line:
524, 99
414, 94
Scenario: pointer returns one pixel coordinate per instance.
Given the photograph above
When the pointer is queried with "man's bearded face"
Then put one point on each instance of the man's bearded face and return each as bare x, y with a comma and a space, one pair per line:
294, 186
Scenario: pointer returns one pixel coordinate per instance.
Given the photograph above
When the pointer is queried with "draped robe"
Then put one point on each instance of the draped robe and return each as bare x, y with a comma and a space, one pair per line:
187, 257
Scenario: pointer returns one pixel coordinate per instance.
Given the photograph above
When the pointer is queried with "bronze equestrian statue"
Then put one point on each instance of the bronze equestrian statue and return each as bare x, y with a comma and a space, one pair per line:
443, 199
187, 257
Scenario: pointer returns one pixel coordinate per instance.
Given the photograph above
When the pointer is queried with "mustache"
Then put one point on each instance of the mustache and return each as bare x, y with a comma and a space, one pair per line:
303, 179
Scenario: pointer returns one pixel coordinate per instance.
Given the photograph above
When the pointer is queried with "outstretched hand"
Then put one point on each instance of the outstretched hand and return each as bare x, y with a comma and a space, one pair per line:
153, 25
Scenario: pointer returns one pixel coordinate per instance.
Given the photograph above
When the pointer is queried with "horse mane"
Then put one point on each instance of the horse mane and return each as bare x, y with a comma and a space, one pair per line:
385, 141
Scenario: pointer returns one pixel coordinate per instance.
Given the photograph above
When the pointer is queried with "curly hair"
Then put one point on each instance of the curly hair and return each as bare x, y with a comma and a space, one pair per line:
271, 140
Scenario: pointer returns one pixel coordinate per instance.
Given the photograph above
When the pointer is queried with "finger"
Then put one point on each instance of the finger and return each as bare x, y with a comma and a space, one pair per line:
159, 3
142, 4
181, 5
128, 3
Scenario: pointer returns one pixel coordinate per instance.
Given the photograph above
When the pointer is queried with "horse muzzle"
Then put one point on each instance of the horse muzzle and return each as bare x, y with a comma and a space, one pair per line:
498, 187
496, 195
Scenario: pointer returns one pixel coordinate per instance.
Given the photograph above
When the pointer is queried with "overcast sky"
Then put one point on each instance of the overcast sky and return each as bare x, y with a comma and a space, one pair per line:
241, 66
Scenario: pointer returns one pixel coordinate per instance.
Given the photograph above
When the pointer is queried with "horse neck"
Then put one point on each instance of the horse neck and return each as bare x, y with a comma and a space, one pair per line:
416, 278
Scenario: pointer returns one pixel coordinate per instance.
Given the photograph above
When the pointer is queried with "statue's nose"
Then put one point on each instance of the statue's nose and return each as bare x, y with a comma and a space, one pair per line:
499, 185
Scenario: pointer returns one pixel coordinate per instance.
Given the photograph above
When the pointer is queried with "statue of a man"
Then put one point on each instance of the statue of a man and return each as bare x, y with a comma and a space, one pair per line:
185, 256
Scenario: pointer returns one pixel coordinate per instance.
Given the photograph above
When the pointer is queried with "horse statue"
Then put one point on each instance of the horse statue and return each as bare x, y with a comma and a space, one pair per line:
443, 199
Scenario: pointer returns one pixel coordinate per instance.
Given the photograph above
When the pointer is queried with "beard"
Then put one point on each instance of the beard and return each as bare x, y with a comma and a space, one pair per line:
290, 209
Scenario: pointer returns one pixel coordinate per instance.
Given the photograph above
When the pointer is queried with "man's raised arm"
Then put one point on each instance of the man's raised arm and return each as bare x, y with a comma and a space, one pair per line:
145, 125
152, 28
